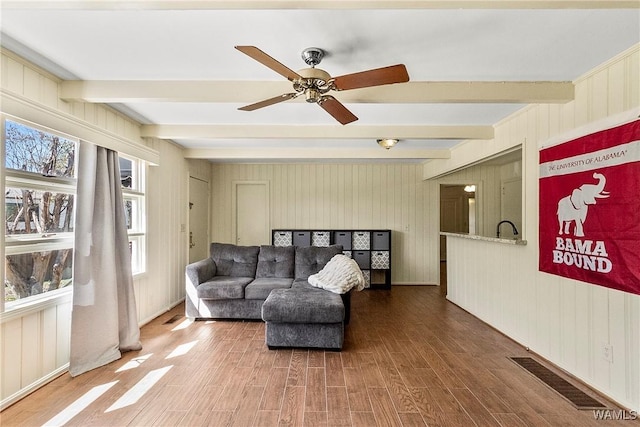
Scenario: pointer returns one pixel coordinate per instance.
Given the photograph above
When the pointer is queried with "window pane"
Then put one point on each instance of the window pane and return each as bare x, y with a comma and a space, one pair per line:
128, 213
36, 273
126, 173
33, 150
136, 248
132, 214
37, 212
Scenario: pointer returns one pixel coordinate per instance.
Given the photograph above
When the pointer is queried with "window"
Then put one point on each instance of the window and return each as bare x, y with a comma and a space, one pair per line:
40, 186
132, 173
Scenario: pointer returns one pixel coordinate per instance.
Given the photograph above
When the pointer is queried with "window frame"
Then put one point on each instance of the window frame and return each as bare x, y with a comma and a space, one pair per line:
138, 231
24, 244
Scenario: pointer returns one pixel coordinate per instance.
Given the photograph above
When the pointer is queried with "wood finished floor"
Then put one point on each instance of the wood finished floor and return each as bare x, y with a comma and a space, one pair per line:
410, 359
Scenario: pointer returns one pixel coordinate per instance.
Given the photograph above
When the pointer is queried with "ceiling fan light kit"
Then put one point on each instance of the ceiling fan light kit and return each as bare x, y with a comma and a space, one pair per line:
387, 143
315, 83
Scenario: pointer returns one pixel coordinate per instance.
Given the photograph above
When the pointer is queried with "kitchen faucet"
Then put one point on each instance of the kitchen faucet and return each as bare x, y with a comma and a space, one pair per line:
515, 230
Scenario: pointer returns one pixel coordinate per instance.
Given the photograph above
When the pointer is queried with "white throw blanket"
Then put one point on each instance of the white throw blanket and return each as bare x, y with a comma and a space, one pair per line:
339, 275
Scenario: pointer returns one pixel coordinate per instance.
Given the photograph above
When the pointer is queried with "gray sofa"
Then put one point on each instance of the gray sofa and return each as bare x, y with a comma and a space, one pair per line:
234, 282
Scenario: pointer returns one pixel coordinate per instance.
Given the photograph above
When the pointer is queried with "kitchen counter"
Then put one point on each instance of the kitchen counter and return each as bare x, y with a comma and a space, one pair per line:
485, 238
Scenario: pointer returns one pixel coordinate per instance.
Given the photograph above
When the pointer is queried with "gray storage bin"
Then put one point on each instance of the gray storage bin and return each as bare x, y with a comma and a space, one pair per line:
282, 238
380, 240
361, 240
342, 238
302, 238
362, 258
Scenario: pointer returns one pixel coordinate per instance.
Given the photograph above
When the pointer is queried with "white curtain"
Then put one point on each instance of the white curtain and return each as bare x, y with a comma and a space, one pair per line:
104, 320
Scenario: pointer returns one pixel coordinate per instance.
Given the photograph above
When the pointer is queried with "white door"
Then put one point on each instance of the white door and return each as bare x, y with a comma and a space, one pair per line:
198, 219
251, 206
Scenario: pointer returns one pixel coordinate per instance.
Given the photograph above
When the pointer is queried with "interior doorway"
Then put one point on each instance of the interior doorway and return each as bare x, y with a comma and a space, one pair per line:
198, 219
457, 215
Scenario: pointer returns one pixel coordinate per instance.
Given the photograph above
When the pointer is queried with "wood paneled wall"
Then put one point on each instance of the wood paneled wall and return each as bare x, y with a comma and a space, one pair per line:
162, 286
566, 321
35, 342
336, 195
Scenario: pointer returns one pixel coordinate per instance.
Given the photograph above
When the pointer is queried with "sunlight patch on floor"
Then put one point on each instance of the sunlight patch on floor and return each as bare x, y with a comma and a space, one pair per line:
183, 325
137, 391
182, 349
134, 363
79, 405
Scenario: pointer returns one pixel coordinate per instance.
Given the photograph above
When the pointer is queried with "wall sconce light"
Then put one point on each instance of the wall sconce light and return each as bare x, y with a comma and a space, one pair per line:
387, 143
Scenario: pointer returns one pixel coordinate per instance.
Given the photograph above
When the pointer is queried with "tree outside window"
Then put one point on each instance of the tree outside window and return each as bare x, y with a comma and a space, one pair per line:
39, 202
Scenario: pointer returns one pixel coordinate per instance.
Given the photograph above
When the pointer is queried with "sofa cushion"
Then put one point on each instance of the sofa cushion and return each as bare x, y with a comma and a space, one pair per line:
234, 261
311, 259
275, 261
346, 297
303, 306
223, 287
261, 287
303, 284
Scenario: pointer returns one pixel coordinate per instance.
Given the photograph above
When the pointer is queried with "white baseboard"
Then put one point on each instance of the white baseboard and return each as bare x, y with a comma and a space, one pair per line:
33, 387
413, 284
159, 313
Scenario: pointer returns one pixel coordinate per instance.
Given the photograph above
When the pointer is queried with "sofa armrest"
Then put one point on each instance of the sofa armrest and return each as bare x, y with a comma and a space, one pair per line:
200, 271
196, 273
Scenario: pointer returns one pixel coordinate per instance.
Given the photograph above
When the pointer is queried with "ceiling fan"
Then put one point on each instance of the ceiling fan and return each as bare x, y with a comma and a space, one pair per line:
315, 83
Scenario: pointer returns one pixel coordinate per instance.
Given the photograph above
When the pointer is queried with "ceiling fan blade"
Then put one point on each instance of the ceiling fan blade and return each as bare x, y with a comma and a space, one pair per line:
376, 77
265, 59
270, 101
337, 110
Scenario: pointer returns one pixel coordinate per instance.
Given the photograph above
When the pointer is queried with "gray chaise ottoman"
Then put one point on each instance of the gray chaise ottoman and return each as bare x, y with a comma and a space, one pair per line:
304, 317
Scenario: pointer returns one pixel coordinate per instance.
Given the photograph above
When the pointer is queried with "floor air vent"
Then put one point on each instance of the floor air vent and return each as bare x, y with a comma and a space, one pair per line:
173, 319
567, 390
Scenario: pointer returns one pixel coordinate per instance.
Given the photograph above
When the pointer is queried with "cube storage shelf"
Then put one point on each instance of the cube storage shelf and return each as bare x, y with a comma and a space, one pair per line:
371, 249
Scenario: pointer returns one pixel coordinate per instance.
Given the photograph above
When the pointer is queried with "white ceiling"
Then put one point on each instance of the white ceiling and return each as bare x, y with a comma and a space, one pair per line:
174, 63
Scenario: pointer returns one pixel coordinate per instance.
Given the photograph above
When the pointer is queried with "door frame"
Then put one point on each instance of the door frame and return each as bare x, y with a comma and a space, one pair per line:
234, 207
478, 196
208, 216
442, 282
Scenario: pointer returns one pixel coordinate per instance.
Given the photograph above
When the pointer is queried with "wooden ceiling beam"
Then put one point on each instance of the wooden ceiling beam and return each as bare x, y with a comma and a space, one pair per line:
316, 4
309, 131
527, 92
315, 154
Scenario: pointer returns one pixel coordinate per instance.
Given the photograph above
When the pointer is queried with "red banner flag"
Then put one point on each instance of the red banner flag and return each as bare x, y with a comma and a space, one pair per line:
590, 208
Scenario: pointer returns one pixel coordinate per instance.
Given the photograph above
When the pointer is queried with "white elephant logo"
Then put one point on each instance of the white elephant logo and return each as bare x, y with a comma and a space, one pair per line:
574, 207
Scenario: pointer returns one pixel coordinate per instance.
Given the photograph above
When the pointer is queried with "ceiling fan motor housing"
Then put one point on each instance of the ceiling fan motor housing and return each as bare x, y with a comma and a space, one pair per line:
314, 83
315, 76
